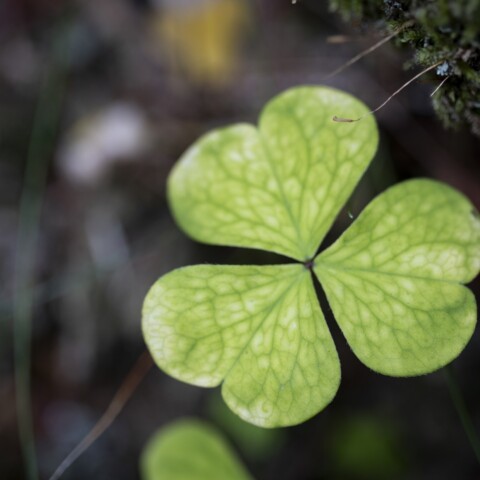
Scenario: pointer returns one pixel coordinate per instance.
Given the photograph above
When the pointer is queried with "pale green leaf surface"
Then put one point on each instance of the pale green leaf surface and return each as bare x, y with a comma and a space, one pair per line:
278, 187
258, 328
190, 450
393, 278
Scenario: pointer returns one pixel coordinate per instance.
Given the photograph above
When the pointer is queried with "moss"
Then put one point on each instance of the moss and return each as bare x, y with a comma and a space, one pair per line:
437, 30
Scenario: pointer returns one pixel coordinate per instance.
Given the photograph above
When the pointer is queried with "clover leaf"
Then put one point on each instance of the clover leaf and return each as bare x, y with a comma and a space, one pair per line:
190, 450
278, 187
393, 279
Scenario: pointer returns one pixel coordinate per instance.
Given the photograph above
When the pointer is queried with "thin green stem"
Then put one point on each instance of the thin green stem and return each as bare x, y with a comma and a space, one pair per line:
459, 403
39, 152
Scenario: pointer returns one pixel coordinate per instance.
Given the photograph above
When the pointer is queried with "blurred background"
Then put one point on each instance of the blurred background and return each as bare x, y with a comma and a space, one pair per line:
98, 99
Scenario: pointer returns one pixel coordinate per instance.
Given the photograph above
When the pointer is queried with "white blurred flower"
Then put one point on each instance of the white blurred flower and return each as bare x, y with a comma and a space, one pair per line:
119, 133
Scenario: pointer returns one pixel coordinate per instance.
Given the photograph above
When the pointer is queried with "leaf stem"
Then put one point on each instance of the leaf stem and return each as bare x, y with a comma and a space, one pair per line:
459, 403
42, 139
368, 50
394, 94
121, 397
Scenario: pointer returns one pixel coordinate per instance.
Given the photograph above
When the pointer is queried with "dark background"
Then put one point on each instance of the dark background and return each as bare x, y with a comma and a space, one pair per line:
125, 87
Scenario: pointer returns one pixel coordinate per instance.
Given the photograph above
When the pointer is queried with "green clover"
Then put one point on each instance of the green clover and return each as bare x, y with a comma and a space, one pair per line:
393, 279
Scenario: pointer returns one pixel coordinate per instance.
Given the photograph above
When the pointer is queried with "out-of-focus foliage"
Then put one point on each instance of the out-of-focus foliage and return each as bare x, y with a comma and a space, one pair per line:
204, 38
446, 31
364, 447
190, 450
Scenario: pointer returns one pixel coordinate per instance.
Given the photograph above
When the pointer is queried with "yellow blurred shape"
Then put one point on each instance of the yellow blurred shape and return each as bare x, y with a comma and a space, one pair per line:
203, 40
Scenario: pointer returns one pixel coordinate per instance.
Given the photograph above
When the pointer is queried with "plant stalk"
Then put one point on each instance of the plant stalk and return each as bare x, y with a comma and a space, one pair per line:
40, 149
460, 406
